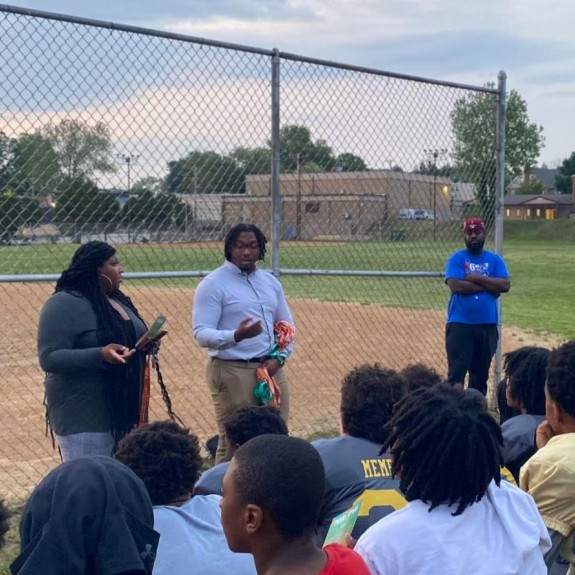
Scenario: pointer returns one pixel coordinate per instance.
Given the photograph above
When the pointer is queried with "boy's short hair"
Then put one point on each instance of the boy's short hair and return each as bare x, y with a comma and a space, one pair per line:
368, 395
525, 371
285, 477
561, 377
419, 375
165, 456
250, 421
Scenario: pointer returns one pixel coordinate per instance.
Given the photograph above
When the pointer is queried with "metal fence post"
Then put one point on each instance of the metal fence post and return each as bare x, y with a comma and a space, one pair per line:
499, 195
276, 197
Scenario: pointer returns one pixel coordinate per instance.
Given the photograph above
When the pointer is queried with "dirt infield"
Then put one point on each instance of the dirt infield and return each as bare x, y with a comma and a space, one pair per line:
331, 339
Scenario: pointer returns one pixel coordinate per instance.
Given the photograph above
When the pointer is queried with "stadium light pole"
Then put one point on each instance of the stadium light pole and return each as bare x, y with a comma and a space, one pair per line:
129, 160
433, 154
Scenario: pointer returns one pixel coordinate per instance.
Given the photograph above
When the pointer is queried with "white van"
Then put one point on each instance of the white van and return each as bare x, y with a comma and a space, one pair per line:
407, 214
415, 214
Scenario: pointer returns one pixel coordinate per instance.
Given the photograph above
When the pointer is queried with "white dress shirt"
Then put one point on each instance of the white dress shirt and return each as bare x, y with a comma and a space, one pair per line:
227, 296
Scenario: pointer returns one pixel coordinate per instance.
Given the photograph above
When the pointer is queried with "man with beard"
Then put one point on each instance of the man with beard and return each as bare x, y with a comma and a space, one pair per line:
476, 278
236, 308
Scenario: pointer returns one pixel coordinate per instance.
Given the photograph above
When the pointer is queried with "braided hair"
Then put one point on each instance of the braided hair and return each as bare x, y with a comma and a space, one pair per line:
82, 276
121, 382
445, 447
525, 369
233, 234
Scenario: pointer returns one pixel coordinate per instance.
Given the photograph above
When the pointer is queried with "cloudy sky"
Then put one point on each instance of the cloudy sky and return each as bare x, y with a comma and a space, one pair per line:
465, 41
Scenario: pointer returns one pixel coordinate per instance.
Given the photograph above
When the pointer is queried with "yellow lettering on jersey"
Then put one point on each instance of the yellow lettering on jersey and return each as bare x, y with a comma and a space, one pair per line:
366, 468
384, 467
380, 498
375, 468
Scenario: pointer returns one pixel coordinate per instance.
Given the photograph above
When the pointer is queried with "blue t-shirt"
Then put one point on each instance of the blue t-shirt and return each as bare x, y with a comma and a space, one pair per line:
479, 307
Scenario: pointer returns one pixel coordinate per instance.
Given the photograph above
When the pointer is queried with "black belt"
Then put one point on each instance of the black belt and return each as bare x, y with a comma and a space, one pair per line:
251, 360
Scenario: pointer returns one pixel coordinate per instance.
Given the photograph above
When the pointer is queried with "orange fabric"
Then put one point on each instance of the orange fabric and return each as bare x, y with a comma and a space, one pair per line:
284, 333
263, 375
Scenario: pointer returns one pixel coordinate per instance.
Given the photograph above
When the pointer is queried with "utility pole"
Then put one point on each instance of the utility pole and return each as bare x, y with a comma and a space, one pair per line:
129, 160
433, 154
298, 198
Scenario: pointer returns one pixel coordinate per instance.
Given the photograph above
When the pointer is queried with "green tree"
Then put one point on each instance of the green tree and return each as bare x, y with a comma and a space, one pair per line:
534, 186
347, 162
474, 127
563, 178
159, 210
16, 211
82, 149
150, 184
80, 202
34, 168
205, 173
6, 155
175, 177
253, 160
298, 149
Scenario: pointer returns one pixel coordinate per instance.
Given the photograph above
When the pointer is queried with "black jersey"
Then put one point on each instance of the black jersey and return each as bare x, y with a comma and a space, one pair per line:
353, 468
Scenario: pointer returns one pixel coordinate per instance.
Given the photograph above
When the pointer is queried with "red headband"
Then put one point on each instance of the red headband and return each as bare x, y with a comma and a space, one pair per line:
473, 225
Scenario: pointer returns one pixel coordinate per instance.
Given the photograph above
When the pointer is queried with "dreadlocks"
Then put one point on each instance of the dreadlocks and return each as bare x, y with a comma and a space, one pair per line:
525, 370
234, 233
82, 276
121, 382
445, 447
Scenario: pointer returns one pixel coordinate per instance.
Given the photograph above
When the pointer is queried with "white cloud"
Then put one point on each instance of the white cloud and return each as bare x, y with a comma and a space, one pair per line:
457, 40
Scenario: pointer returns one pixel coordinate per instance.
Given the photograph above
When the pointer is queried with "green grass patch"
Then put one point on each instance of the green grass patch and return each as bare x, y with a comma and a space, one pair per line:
543, 272
11, 548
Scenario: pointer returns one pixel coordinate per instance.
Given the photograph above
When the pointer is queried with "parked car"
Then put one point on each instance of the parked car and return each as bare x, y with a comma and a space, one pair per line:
415, 214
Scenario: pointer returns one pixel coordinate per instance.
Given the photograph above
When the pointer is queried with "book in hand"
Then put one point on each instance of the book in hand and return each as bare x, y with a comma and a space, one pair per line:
342, 525
154, 333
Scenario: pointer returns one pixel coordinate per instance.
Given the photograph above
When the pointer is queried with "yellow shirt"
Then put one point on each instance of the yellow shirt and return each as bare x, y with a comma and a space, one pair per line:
549, 477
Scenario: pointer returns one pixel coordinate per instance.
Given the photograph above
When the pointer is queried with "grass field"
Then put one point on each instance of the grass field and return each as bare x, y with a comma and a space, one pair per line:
541, 261
542, 271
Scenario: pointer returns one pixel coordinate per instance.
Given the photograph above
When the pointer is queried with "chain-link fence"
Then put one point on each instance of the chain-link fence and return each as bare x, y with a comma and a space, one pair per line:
159, 143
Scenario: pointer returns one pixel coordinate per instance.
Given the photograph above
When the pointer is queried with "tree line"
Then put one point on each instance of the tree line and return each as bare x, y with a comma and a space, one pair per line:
60, 160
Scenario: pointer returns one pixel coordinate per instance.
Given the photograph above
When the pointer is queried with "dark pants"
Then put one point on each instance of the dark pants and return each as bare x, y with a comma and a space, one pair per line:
470, 348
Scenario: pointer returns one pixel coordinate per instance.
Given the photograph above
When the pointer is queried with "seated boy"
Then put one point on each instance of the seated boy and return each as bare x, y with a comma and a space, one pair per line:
167, 459
461, 518
272, 493
241, 426
353, 463
549, 476
525, 372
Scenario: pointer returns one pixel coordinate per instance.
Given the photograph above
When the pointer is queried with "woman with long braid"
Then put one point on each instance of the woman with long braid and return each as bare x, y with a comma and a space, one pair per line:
87, 332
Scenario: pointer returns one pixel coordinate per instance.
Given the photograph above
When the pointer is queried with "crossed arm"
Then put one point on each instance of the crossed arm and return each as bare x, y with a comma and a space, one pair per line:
475, 283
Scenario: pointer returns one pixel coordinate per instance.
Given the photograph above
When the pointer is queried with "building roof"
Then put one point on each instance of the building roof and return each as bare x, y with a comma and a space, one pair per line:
538, 199
343, 176
545, 175
205, 207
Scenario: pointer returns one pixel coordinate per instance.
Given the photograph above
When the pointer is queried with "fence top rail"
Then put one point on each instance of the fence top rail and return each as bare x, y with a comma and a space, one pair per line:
131, 29
376, 72
231, 46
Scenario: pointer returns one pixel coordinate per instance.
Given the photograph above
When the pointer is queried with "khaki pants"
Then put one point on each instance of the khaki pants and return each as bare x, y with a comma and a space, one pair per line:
231, 386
